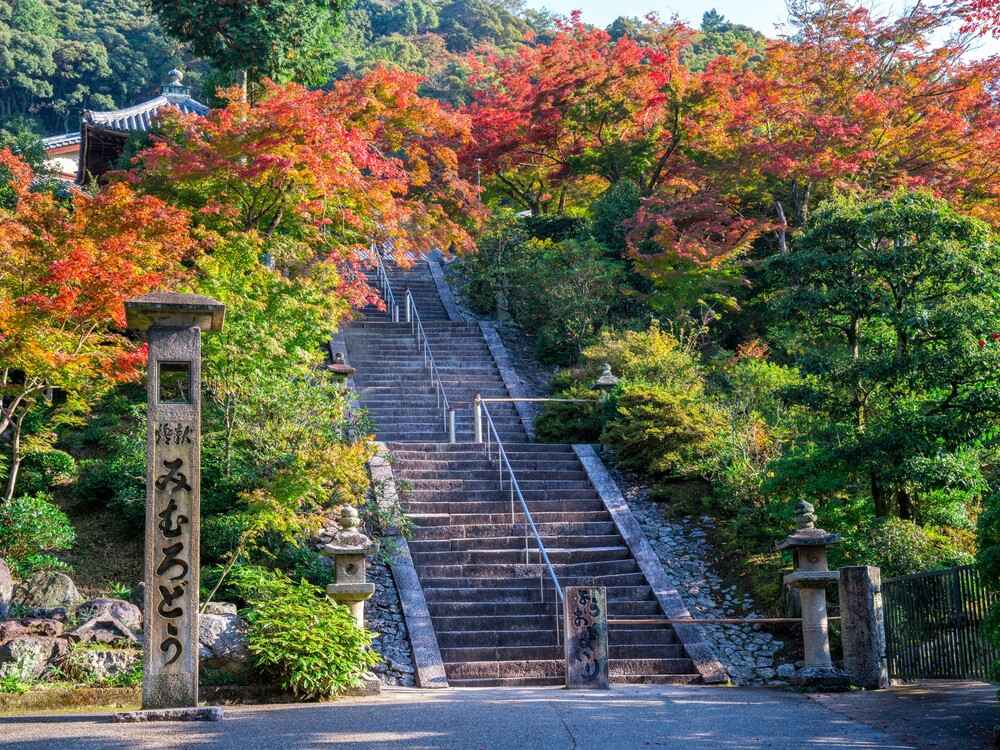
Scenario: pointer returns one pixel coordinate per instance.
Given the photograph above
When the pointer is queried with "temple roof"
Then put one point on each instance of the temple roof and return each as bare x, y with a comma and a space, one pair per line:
141, 116
58, 141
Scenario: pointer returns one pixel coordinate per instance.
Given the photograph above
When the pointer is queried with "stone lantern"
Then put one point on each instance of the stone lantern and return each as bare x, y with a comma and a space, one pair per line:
348, 550
811, 577
605, 382
339, 366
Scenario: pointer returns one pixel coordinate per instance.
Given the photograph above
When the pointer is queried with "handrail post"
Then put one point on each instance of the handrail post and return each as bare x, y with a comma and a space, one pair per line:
409, 299
477, 417
451, 426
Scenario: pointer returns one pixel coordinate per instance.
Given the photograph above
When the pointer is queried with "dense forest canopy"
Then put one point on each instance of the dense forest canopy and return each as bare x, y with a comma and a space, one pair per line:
59, 57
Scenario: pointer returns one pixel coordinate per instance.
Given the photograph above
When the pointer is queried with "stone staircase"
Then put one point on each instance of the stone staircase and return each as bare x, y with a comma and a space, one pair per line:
492, 606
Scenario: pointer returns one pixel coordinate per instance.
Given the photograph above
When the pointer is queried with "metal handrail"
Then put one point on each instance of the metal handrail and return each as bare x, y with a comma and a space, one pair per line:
385, 285
515, 491
423, 345
559, 400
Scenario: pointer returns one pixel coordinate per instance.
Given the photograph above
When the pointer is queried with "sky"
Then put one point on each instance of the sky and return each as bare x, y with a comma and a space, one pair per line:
764, 15
760, 14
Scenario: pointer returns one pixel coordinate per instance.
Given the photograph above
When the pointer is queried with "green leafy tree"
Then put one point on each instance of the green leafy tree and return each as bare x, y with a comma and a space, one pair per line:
891, 309
277, 39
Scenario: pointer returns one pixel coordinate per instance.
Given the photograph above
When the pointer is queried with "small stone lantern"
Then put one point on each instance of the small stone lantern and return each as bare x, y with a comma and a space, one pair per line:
605, 382
811, 576
339, 366
348, 550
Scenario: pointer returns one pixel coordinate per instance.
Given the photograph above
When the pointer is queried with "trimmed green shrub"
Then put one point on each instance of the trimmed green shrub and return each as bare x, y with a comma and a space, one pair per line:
43, 469
299, 637
654, 356
118, 480
30, 527
561, 422
655, 430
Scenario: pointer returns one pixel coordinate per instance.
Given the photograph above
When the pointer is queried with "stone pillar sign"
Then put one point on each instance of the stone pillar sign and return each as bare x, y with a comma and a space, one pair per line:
586, 637
173, 323
863, 626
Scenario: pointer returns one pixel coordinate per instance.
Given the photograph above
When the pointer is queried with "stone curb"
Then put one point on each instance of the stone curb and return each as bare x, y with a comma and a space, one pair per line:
691, 636
427, 659
444, 291
514, 384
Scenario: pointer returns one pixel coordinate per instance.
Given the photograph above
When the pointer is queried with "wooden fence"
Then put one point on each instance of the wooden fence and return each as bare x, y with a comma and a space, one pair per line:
933, 625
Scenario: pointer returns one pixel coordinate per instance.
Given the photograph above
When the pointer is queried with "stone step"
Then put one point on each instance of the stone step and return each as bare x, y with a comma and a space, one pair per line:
491, 474
547, 637
558, 464
556, 668
527, 590
496, 609
446, 519
591, 569
530, 580
492, 556
514, 653
539, 450
502, 508
508, 543
502, 530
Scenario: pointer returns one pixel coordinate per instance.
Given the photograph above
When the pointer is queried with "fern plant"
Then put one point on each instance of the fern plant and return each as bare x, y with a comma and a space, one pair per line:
307, 643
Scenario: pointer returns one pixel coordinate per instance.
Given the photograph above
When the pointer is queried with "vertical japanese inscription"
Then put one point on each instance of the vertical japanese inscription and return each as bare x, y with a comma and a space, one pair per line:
586, 637
172, 571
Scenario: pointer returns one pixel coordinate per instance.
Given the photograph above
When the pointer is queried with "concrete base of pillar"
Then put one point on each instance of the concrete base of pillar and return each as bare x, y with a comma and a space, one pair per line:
370, 685
826, 679
195, 713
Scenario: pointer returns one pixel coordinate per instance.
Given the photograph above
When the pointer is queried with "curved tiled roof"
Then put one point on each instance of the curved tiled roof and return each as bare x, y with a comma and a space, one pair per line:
58, 141
141, 116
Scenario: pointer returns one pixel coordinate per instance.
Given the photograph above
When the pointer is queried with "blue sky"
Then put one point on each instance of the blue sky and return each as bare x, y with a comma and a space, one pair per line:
763, 15
760, 14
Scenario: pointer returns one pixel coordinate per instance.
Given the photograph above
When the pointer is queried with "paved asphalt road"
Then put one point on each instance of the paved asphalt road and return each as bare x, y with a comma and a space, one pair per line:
654, 717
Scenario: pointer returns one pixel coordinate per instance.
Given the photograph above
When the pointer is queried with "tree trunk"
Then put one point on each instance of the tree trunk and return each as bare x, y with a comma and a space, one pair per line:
881, 498
15, 458
782, 230
904, 505
241, 78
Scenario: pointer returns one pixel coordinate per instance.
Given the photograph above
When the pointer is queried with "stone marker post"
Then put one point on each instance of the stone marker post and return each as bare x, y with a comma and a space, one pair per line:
811, 577
173, 324
586, 637
863, 626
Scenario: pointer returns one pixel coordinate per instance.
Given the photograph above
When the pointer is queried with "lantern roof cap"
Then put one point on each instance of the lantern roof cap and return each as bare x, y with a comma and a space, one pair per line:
171, 309
807, 534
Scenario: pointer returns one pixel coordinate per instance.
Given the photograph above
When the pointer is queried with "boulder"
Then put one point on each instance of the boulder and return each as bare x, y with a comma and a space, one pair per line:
29, 626
786, 671
124, 612
6, 589
222, 638
47, 589
27, 658
104, 629
45, 613
103, 665
220, 608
